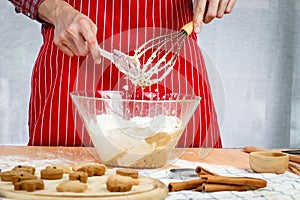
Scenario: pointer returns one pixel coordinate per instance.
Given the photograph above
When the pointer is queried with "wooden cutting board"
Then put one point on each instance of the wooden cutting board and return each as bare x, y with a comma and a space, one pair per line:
148, 188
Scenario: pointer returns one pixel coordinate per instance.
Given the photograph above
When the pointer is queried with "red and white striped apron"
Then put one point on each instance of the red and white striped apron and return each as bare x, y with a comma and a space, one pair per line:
51, 119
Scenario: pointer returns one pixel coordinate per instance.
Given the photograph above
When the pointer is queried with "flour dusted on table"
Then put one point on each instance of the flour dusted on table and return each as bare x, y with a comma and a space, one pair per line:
136, 142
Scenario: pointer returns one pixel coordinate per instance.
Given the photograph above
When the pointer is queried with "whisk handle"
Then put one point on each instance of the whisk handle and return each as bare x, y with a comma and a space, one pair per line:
106, 54
188, 28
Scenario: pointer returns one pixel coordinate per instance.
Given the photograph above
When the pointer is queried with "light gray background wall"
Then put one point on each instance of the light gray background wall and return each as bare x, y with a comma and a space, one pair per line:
20, 40
252, 56
256, 50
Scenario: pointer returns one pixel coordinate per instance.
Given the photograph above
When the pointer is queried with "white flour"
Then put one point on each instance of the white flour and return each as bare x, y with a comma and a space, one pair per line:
128, 141
8, 162
137, 127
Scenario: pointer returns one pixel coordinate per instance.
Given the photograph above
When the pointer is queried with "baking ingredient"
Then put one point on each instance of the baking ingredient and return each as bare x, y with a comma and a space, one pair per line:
141, 142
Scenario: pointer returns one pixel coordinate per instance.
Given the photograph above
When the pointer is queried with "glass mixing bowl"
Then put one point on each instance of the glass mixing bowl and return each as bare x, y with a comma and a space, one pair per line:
137, 130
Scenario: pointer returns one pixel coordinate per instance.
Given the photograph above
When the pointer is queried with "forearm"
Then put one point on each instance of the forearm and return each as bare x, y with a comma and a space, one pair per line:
50, 10
27, 7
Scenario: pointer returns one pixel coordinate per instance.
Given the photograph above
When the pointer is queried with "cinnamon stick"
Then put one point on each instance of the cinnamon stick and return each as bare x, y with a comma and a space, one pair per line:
185, 185
295, 165
199, 188
214, 187
202, 171
246, 181
212, 182
294, 170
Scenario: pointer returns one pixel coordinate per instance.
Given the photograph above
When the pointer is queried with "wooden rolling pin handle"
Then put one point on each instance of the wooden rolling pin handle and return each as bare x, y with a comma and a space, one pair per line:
250, 149
188, 28
294, 158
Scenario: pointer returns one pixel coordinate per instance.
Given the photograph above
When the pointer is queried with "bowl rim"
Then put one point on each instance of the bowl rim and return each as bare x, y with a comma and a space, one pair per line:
192, 97
269, 154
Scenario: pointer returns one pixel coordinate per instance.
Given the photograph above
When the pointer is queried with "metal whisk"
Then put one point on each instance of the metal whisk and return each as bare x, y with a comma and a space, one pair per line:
153, 60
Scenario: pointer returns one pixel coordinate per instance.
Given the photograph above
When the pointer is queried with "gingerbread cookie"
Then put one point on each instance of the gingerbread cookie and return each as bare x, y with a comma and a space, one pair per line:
71, 186
29, 185
52, 174
128, 172
8, 175
81, 176
118, 183
87, 169
22, 177
92, 170
76, 167
65, 169
26, 168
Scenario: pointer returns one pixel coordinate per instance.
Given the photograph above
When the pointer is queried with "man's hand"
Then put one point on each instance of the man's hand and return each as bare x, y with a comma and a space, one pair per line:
206, 10
74, 33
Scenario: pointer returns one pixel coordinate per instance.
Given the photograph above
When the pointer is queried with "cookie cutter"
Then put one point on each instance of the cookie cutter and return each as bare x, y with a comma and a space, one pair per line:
183, 173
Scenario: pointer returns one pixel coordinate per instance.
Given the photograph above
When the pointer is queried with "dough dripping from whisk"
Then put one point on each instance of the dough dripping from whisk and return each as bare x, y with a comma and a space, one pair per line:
153, 61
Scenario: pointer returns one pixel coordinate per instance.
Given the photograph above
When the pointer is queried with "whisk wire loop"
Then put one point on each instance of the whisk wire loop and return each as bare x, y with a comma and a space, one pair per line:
153, 60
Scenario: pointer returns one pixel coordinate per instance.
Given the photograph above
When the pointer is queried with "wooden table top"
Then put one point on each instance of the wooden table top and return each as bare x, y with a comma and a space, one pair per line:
232, 157
38, 156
